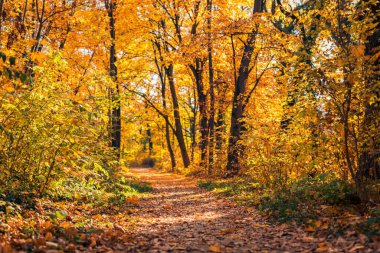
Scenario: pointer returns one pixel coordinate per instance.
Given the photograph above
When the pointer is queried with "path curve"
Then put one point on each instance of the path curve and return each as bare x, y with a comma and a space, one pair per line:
179, 217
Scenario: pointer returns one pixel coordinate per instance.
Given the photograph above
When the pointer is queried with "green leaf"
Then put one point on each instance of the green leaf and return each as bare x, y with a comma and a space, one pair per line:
3, 56
61, 214
8, 73
19, 215
53, 216
10, 136
12, 60
23, 78
373, 220
9, 210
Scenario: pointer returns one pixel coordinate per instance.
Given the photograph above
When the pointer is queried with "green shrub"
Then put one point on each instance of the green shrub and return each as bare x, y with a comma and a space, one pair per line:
370, 227
294, 202
106, 192
45, 135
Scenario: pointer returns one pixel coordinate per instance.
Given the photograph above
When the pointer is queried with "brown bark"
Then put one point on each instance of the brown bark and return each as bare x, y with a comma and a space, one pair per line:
220, 127
211, 120
169, 73
202, 102
177, 117
343, 39
115, 110
235, 148
161, 74
197, 69
221, 88
369, 164
193, 121
237, 122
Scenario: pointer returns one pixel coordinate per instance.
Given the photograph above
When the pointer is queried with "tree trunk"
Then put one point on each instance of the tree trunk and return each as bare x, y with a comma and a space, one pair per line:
169, 145
114, 91
202, 102
369, 164
162, 76
220, 122
193, 121
177, 117
167, 127
220, 127
150, 142
211, 120
235, 149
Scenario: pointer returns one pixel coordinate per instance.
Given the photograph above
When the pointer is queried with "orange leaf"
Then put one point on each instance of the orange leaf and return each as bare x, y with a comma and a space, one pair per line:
132, 200
214, 248
309, 229
93, 242
49, 236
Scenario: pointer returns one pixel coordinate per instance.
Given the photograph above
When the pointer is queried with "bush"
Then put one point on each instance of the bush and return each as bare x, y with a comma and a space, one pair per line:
46, 134
295, 202
113, 191
299, 202
370, 226
325, 188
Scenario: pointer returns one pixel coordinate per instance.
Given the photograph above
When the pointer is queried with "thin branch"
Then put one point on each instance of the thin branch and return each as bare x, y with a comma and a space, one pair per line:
142, 95
256, 83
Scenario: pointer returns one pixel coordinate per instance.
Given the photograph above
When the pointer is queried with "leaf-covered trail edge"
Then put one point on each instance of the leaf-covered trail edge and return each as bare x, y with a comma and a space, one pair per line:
180, 217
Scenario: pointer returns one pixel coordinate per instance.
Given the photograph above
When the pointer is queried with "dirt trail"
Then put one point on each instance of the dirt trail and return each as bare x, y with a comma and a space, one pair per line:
179, 217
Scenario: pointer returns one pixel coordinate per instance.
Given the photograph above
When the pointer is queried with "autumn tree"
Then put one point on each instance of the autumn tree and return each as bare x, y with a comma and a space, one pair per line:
242, 96
369, 165
114, 92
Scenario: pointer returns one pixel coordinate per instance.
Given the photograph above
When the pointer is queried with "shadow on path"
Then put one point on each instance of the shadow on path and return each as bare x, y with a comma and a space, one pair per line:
179, 217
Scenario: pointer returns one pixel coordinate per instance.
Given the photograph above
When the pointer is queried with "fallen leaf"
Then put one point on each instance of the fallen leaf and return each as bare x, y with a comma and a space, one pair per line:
322, 247
6, 248
40, 241
356, 247
93, 242
117, 227
214, 248
132, 200
52, 244
49, 236
309, 229
9, 210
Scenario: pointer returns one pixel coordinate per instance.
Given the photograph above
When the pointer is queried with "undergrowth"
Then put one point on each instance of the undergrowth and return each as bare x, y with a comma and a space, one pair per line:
304, 201
108, 192
100, 193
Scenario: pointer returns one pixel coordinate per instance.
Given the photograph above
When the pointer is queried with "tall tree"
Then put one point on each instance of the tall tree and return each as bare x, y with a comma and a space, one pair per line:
237, 127
114, 92
197, 68
369, 164
211, 120
169, 70
171, 9
158, 60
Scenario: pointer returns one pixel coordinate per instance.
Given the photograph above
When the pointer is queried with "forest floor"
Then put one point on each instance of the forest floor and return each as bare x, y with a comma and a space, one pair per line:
176, 216
180, 217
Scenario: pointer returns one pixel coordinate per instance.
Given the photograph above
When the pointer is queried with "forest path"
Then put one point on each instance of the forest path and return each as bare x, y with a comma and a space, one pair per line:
180, 217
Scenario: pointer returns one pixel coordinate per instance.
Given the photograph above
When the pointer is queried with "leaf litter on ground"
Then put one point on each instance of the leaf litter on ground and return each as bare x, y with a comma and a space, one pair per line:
176, 217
